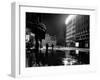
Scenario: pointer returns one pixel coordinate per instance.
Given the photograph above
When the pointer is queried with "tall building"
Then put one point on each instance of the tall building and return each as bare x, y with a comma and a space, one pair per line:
82, 31
70, 30
77, 31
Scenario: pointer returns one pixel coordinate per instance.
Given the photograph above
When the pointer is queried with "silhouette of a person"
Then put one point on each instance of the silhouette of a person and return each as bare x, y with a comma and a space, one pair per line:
46, 54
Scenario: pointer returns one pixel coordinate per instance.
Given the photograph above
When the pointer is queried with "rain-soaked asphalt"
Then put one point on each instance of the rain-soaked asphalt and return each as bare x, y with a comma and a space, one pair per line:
58, 58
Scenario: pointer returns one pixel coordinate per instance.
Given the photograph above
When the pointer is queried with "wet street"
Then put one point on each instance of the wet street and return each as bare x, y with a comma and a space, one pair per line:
58, 57
57, 39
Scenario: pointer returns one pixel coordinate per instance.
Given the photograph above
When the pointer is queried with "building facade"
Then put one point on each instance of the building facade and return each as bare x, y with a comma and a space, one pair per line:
50, 40
77, 31
70, 32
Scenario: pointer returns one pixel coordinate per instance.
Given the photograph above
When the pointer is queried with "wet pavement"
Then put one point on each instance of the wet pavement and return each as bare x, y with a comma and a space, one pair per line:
59, 57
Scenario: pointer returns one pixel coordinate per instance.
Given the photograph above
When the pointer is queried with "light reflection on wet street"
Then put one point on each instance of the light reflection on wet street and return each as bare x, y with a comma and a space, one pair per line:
60, 58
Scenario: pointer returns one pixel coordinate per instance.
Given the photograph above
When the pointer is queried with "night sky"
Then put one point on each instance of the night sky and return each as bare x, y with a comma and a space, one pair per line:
55, 23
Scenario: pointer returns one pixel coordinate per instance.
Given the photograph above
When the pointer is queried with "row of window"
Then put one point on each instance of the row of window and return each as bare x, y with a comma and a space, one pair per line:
82, 33
86, 35
70, 30
82, 37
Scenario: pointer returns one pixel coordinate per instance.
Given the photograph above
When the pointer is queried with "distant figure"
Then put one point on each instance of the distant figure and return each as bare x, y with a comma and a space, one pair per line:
52, 49
47, 48
52, 46
46, 54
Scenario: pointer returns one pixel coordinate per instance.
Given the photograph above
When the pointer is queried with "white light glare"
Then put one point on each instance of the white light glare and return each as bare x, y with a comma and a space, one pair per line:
70, 17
